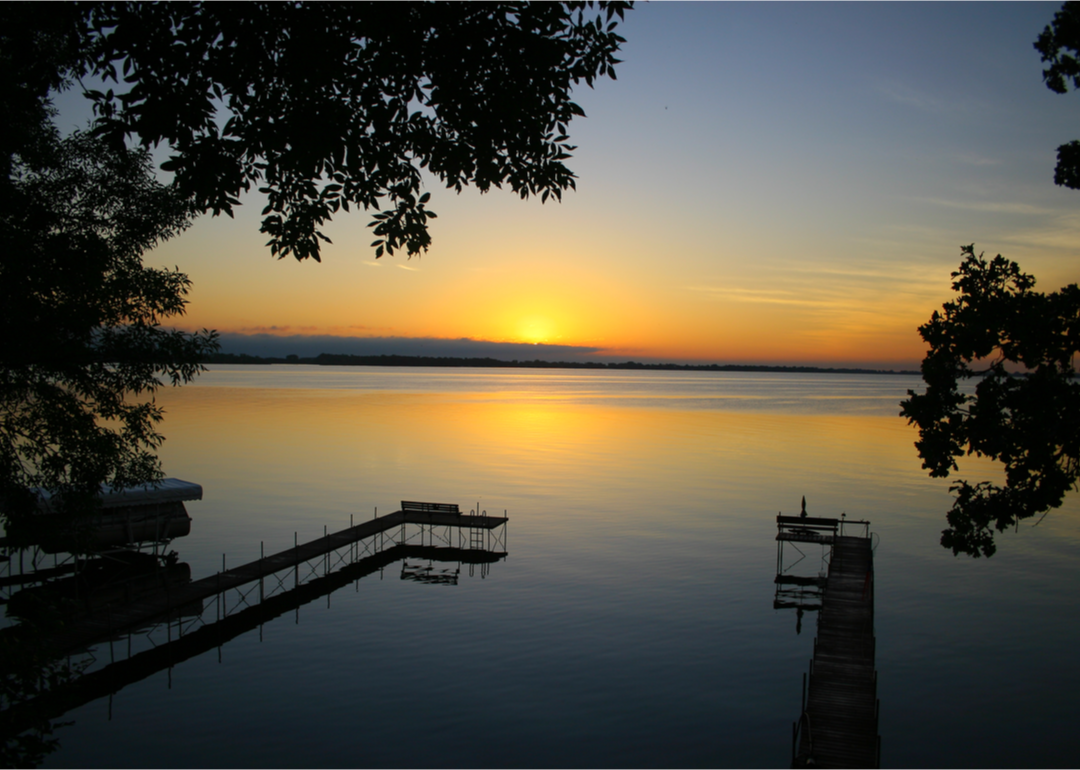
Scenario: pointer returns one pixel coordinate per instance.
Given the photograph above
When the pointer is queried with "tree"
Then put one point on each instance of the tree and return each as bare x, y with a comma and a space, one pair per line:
81, 321
325, 106
79, 314
1059, 45
1029, 422
320, 106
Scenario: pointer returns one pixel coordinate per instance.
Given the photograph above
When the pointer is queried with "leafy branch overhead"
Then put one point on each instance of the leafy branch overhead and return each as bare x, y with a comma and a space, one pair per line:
327, 106
1030, 423
1059, 45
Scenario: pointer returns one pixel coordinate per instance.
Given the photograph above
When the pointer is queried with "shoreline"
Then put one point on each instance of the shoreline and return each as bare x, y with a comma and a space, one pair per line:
340, 359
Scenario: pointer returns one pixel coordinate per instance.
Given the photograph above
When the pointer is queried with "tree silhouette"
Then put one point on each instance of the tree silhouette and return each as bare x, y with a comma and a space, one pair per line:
326, 106
321, 106
81, 321
1059, 45
79, 313
1030, 423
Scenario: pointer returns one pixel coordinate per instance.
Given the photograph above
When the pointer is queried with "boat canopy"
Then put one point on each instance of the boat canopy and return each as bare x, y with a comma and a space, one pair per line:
165, 491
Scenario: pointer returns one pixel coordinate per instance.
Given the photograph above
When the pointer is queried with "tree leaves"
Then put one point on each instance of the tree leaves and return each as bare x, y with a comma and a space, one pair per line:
1027, 421
335, 105
1059, 45
81, 320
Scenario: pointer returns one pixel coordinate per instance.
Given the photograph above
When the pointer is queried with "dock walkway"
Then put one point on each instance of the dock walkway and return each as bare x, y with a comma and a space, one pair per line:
90, 628
839, 725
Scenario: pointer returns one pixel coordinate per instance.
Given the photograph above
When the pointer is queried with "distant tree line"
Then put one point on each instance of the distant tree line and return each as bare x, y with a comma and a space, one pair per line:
342, 359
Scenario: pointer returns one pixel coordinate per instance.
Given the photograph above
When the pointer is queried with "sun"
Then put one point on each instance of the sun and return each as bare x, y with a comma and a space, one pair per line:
536, 330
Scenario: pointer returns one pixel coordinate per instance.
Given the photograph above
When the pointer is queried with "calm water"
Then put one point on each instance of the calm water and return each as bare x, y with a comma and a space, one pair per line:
632, 622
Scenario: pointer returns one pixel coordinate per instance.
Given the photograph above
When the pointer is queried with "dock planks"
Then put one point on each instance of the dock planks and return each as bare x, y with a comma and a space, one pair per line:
840, 724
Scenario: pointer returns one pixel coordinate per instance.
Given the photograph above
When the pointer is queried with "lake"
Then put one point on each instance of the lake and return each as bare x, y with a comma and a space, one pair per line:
631, 623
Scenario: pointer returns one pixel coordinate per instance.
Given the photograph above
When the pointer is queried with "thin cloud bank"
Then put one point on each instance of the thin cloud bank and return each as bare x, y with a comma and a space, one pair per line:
305, 346
272, 345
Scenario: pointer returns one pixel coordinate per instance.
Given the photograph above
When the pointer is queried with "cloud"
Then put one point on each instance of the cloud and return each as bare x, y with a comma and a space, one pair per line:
762, 296
993, 207
277, 330
264, 344
977, 160
925, 101
911, 97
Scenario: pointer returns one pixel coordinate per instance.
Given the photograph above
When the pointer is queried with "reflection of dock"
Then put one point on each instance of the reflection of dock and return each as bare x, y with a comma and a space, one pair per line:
839, 723
347, 546
801, 592
104, 682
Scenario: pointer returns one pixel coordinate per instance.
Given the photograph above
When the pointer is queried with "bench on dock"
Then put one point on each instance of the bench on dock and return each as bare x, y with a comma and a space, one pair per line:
413, 506
806, 529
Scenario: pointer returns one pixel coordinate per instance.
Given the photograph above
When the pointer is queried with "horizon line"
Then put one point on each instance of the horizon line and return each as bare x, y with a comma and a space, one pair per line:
393, 359
263, 344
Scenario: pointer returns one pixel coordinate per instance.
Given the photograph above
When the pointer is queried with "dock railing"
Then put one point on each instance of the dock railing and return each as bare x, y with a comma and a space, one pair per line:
853, 527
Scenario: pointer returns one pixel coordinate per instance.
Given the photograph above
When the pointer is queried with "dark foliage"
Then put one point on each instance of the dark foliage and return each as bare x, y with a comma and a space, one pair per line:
1059, 45
324, 106
79, 313
1030, 422
27, 671
80, 318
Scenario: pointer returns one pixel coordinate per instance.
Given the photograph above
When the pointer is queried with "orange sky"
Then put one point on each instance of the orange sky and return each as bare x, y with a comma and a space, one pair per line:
809, 210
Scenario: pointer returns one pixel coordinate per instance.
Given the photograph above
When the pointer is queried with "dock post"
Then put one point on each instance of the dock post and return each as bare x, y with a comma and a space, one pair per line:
224, 606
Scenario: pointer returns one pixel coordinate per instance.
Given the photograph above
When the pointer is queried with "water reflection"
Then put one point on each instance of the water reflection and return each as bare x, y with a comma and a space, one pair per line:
150, 602
635, 621
800, 576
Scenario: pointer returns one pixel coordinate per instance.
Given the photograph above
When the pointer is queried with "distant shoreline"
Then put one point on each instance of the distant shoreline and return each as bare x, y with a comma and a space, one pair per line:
336, 359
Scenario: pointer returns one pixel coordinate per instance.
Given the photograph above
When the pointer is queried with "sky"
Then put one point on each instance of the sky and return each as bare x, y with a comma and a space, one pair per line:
763, 183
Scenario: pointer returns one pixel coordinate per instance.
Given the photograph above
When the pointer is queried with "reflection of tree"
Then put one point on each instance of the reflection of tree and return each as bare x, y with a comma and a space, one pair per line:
32, 669
27, 672
1029, 423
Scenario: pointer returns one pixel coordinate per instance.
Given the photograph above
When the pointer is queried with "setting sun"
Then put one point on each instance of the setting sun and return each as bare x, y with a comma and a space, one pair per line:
536, 329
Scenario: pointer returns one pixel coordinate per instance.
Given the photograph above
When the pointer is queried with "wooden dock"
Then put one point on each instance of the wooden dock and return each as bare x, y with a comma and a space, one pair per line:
839, 724
83, 631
